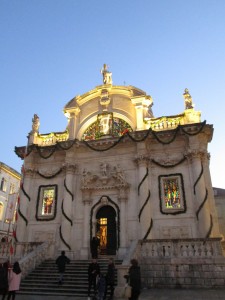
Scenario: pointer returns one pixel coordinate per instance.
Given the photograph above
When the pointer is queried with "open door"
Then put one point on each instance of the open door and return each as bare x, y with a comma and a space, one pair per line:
106, 230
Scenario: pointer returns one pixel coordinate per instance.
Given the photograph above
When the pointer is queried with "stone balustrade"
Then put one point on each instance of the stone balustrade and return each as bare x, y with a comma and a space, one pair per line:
34, 258
180, 248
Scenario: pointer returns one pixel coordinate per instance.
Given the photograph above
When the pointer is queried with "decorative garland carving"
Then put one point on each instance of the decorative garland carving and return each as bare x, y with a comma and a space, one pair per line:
169, 166
61, 236
68, 191
146, 201
202, 204
195, 133
143, 179
50, 176
42, 149
63, 212
22, 188
149, 230
25, 151
210, 227
22, 216
200, 175
168, 142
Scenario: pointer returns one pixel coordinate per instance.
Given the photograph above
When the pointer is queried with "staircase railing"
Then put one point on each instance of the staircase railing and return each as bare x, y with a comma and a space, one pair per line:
34, 258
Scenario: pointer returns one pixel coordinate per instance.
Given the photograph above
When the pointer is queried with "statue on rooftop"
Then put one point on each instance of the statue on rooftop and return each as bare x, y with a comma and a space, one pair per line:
35, 123
107, 76
187, 99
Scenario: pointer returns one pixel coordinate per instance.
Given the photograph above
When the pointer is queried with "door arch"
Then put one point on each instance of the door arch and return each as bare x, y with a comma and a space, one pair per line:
106, 230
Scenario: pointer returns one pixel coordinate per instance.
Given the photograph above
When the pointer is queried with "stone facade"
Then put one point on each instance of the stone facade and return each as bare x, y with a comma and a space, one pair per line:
9, 184
119, 173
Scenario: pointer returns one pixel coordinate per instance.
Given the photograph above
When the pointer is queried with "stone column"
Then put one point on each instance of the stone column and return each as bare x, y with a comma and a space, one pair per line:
67, 206
143, 209
86, 224
73, 122
25, 197
199, 189
211, 200
123, 239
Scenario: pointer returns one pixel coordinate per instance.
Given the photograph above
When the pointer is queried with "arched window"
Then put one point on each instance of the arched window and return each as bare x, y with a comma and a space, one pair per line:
105, 126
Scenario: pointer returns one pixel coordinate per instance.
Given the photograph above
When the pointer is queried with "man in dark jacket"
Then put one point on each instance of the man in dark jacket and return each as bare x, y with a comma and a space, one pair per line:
61, 262
93, 272
110, 278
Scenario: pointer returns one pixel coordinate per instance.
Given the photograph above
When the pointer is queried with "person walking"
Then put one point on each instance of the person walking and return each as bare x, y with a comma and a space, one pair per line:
110, 278
134, 279
93, 272
4, 284
14, 280
61, 262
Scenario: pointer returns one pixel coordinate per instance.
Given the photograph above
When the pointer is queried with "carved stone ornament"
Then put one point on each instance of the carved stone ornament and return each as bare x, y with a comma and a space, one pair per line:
70, 168
29, 171
108, 177
191, 154
104, 100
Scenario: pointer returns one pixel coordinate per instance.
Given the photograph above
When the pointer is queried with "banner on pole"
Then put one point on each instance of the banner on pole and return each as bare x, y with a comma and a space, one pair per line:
11, 206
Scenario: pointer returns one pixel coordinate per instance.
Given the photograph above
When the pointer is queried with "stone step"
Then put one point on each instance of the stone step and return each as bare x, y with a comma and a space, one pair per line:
44, 279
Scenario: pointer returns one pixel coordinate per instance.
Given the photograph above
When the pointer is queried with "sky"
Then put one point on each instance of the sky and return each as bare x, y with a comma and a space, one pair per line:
53, 50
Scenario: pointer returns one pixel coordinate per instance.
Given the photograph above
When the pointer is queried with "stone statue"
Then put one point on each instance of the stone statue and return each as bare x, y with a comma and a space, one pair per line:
104, 169
119, 174
35, 123
107, 76
187, 100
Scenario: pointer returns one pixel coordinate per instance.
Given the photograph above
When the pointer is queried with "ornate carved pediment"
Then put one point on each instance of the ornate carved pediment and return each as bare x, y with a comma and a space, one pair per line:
107, 177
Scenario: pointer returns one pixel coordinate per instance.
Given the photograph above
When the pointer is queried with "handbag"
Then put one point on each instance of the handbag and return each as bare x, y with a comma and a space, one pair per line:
127, 291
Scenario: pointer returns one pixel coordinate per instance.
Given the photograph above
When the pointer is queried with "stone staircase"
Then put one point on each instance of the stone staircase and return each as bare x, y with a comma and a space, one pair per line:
43, 280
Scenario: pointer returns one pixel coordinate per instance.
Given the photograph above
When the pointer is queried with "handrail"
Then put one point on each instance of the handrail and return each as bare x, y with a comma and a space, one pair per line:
34, 258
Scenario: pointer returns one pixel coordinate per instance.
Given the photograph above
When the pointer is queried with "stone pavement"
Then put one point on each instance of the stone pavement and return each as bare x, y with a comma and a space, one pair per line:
152, 294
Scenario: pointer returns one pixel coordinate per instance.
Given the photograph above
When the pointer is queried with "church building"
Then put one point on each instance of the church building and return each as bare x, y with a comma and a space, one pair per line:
118, 173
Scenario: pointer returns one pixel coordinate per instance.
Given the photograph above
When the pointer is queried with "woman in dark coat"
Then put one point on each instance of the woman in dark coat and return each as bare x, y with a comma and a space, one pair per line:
110, 278
135, 279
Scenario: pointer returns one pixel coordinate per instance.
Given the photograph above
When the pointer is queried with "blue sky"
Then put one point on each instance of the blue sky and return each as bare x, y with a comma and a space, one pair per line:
53, 50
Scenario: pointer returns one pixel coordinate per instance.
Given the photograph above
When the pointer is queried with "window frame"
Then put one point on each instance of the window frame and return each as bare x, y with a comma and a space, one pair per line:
174, 210
39, 215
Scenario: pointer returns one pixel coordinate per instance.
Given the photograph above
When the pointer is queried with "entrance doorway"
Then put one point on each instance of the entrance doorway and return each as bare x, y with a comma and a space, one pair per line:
106, 230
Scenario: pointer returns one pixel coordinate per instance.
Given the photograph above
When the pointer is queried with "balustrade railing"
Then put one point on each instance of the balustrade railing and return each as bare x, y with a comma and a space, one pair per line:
34, 258
180, 248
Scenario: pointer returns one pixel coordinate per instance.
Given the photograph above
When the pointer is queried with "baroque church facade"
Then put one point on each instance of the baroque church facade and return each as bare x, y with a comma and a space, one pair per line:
118, 173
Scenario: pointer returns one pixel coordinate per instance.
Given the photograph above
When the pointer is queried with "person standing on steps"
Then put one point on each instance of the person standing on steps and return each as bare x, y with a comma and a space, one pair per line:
110, 278
93, 272
61, 262
14, 280
94, 247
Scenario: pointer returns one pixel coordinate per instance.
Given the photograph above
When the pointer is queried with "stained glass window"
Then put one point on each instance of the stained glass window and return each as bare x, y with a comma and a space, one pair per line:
171, 192
46, 202
105, 126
